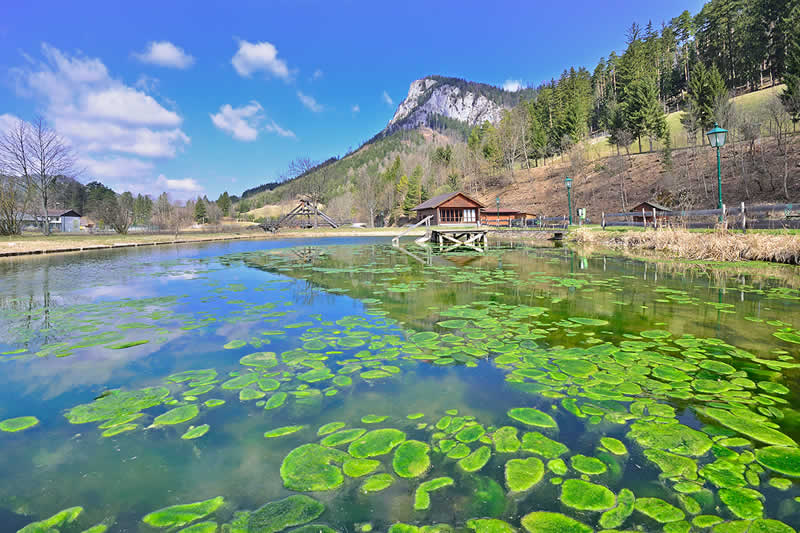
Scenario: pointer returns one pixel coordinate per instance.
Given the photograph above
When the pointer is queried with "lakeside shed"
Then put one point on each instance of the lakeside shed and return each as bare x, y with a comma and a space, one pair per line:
454, 208
504, 216
648, 208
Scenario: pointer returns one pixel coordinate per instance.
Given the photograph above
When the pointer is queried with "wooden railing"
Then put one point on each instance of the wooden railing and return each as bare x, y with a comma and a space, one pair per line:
426, 221
744, 217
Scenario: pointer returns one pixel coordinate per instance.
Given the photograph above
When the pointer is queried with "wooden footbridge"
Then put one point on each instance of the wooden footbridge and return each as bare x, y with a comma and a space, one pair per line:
306, 208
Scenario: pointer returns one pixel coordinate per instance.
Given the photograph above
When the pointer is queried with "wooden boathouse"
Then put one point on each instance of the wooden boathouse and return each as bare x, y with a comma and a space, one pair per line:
452, 208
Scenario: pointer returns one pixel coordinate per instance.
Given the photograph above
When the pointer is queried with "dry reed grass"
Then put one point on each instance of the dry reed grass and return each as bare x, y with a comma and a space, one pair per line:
717, 246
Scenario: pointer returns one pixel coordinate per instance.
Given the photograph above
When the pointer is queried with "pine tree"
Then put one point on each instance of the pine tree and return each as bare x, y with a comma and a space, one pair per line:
200, 211
706, 87
414, 193
643, 112
224, 204
791, 96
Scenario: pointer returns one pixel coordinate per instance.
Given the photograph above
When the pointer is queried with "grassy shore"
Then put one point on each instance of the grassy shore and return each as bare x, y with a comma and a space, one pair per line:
726, 246
36, 243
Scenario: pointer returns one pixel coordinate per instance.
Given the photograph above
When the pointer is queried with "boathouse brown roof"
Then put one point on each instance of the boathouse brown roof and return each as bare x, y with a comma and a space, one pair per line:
438, 200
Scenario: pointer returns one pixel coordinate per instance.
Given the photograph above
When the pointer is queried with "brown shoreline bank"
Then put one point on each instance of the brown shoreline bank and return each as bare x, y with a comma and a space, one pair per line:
721, 246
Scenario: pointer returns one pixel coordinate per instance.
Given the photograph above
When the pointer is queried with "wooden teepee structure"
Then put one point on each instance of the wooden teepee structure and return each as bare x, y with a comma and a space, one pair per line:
305, 208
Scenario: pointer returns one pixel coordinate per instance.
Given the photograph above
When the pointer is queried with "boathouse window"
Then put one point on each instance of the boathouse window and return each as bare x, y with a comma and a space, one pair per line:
451, 214
469, 215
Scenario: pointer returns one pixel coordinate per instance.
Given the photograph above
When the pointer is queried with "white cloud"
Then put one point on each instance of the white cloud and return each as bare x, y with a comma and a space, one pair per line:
186, 185
274, 128
165, 54
355, 108
310, 102
7, 121
512, 86
129, 105
387, 98
317, 74
241, 122
262, 56
116, 167
100, 116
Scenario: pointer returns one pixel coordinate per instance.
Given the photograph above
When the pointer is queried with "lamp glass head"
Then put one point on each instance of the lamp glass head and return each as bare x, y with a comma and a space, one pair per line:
568, 181
717, 136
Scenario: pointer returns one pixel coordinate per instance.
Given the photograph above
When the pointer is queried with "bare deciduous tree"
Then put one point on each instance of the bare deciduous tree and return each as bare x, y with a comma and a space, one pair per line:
13, 205
37, 155
368, 192
780, 119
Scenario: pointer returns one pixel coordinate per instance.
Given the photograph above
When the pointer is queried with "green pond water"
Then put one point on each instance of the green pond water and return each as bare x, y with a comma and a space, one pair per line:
346, 385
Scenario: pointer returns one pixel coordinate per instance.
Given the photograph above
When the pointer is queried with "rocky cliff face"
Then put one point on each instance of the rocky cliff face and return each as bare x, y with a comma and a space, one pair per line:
454, 99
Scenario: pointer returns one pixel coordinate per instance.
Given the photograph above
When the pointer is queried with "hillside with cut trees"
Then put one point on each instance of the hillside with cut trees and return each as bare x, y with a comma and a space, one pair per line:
633, 124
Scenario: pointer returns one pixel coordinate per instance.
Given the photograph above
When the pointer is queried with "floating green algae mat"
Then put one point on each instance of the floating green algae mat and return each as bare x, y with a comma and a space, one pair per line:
66, 516
411, 459
294, 510
546, 522
377, 483
196, 432
532, 417
780, 459
422, 497
181, 515
282, 431
179, 415
586, 496
377, 442
21, 423
522, 474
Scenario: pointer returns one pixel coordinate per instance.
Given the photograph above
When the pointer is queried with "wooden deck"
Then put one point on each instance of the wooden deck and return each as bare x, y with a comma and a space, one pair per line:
458, 238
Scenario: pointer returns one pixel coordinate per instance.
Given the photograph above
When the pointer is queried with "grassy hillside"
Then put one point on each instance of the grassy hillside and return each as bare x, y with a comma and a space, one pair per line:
751, 103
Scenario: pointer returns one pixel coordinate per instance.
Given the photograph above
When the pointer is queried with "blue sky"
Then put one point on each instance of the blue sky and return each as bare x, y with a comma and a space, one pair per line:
200, 97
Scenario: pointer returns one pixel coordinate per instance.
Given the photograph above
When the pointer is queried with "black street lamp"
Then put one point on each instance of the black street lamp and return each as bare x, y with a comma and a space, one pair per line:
717, 138
568, 182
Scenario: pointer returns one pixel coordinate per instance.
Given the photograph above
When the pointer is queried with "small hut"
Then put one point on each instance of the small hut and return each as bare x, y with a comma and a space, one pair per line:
504, 216
452, 208
649, 207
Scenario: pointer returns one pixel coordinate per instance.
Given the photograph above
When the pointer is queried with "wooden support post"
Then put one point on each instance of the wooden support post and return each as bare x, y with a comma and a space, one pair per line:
744, 219
724, 218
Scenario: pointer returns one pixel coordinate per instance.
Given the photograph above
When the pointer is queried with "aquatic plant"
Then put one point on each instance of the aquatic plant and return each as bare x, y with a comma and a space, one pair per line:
422, 497
181, 515
376, 442
195, 432
532, 417
377, 483
66, 516
522, 474
282, 431
586, 496
20, 423
178, 415
312, 467
411, 459
546, 522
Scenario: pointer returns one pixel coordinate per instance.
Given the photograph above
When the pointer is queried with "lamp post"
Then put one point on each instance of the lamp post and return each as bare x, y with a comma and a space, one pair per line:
568, 182
717, 138
497, 202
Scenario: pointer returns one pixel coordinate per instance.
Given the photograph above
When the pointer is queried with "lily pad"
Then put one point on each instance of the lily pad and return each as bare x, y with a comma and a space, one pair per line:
780, 459
532, 417
522, 474
377, 483
586, 496
196, 432
658, 510
749, 427
275, 516
342, 437
537, 443
282, 431
312, 467
359, 467
546, 522
377, 442
615, 517
588, 465
505, 440
66, 516
181, 515
21, 423
614, 446
422, 497
411, 459
476, 460
179, 415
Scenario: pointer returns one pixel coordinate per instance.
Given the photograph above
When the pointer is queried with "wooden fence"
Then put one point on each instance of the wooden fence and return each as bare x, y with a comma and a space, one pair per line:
774, 216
